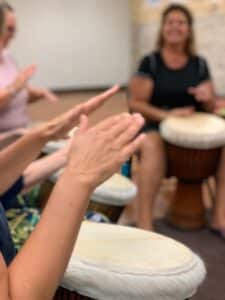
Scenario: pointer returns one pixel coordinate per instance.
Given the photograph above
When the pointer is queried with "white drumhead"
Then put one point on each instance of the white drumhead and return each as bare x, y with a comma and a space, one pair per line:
117, 190
198, 131
115, 262
54, 146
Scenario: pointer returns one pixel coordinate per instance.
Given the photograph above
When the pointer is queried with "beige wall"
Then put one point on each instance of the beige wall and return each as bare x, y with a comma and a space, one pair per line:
210, 32
76, 43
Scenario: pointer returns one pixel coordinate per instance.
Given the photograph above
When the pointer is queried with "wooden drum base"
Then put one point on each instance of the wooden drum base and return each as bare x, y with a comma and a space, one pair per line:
187, 210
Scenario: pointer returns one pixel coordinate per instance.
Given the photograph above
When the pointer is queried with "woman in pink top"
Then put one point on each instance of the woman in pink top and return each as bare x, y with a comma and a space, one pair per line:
15, 93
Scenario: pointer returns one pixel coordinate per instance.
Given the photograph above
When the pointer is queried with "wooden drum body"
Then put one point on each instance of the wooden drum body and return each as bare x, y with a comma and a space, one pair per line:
193, 154
115, 262
191, 167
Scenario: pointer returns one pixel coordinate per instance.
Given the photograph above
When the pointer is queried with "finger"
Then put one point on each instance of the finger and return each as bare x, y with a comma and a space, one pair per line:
99, 100
51, 97
131, 132
117, 128
134, 146
74, 114
66, 122
111, 121
83, 125
192, 91
30, 70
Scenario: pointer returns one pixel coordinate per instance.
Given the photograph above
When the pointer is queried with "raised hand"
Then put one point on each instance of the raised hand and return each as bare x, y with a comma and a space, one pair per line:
59, 127
23, 77
46, 94
98, 152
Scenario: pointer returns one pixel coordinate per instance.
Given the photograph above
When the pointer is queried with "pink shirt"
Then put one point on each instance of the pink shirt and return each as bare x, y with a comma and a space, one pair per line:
15, 114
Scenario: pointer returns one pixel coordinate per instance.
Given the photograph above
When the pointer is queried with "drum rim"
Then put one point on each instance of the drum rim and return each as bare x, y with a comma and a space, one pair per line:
198, 142
100, 282
89, 289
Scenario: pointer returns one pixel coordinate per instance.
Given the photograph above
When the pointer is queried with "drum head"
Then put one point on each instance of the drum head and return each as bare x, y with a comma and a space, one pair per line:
117, 190
115, 262
198, 131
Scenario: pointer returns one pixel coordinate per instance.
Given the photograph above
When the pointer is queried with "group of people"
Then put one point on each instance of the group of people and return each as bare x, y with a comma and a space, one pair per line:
172, 81
90, 157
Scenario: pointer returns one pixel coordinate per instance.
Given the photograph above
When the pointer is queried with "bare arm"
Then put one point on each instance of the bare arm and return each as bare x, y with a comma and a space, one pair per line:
19, 83
36, 94
140, 90
95, 155
16, 157
20, 154
42, 168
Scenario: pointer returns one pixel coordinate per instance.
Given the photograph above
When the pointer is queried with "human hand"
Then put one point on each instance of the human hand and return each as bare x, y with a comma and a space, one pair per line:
98, 152
181, 112
59, 126
48, 95
203, 92
22, 78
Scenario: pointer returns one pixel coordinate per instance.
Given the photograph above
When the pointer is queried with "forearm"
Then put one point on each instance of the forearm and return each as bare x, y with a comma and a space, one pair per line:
149, 111
15, 158
37, 276
44, 167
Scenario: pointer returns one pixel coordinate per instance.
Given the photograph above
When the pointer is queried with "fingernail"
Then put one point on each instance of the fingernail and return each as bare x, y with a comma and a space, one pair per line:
138, 116
126, 114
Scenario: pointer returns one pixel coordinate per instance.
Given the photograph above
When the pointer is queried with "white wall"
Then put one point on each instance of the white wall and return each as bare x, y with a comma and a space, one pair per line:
76, 43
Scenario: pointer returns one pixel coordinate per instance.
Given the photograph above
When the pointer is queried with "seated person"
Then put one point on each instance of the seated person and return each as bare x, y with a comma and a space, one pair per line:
15, 92
172, 81
21, 201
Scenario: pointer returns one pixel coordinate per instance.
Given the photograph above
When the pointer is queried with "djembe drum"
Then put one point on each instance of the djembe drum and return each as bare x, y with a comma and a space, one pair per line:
193, 148
112, 196
53, 146
115, 262
108, 199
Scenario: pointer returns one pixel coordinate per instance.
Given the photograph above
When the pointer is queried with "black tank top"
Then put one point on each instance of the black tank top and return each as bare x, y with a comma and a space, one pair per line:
171, 86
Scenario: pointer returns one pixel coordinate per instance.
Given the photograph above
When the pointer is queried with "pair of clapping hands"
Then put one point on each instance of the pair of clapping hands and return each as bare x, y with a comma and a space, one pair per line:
203, 93
96, 152
22, 79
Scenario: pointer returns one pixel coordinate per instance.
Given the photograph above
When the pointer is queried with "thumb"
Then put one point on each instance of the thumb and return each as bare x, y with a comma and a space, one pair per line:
191, 90
84, 124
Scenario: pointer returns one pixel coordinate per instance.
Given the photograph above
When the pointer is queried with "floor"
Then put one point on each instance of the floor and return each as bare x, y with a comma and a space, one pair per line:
209, 247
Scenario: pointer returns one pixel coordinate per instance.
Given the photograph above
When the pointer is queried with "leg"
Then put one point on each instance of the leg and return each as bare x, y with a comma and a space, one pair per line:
151, 170
129, 215
219, 209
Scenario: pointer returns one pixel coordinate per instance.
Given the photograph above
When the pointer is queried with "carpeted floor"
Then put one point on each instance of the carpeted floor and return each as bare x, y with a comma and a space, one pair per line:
211, 249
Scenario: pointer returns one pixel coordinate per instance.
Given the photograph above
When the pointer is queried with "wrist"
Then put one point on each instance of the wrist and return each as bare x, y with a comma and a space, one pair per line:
11, 90
86, 183
165, 115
